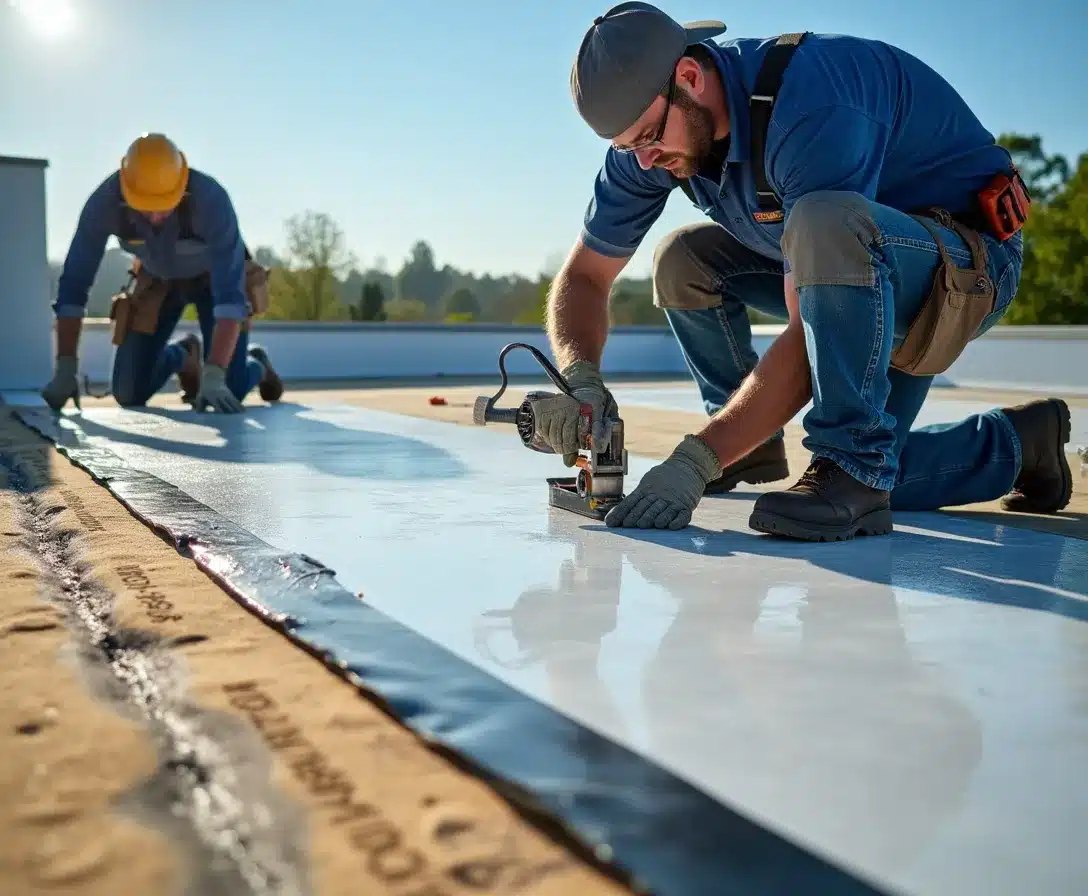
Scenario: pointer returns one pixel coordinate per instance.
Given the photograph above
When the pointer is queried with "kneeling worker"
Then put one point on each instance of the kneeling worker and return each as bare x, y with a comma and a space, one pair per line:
853, 194
181, 225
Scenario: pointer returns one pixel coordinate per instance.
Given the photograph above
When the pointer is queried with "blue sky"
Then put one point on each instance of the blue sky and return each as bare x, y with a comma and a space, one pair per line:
450, 122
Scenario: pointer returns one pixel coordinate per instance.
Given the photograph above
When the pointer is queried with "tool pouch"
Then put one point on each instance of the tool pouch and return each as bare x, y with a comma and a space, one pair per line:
121, 316
958, 302
256, 287
138, 306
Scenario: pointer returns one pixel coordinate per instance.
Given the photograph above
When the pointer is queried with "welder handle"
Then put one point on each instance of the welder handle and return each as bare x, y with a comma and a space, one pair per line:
482, 413
503, 415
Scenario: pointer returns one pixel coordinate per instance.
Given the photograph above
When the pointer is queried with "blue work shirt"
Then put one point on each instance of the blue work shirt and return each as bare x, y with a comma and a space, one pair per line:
852, 114
217, 249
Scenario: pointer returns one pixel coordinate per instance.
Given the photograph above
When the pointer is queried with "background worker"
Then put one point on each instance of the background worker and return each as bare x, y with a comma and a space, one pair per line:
181, 226
809, 154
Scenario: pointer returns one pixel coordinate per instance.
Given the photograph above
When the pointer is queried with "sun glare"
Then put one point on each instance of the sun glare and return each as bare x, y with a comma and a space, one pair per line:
48, 19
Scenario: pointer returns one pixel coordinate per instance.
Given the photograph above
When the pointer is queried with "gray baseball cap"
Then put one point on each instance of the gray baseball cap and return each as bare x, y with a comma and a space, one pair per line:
626, 57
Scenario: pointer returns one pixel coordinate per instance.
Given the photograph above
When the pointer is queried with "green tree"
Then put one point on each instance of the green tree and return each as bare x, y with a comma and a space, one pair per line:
1054, 284
267, 257
405, 310
461, 305
632, 303
536, 311
316, 259
1044, 175
371, 304
420, 278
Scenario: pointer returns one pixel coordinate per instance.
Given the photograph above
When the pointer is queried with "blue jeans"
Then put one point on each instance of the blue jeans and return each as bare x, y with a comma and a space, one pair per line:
144, 362
862, 409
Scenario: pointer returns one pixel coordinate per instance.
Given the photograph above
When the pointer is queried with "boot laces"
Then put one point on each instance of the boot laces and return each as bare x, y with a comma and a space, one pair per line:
819, 475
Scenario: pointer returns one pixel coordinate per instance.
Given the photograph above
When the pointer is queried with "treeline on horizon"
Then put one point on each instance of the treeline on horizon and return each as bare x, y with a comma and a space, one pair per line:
315, 276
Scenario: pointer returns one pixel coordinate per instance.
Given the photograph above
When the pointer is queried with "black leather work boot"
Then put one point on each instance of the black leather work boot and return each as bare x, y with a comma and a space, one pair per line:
189, 375
1045, 482
766, 463
825, 504
270, 386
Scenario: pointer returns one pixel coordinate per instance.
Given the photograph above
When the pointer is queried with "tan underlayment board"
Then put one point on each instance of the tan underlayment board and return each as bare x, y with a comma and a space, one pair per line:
352, 802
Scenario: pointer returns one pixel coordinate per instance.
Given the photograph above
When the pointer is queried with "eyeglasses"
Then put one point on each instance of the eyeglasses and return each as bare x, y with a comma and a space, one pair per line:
661, 128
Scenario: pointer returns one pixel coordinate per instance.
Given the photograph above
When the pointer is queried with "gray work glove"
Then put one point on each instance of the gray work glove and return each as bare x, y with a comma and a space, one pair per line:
64, 384
214, 392
557, 418
669, 492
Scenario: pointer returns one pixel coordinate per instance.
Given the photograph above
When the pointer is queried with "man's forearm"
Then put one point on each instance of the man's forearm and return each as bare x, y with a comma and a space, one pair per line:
224, 339
577, 319
68, 332
766, 401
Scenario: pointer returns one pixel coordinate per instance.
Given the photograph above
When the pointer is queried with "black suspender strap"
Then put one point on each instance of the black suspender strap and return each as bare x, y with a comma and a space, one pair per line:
760, 108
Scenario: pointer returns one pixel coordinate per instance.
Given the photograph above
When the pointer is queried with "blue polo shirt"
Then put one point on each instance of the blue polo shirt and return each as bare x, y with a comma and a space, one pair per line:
216, 248
852, 114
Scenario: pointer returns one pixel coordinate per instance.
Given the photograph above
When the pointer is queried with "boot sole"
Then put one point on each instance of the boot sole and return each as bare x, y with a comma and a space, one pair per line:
875, 522
1065, 427
770, 472
270, 390
190, 383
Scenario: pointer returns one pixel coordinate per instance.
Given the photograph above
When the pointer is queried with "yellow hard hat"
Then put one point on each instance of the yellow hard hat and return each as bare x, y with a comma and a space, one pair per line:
154, 174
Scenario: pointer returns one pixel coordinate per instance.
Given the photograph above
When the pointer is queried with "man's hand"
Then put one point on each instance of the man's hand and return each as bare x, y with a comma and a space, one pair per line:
558, 417
558, 420
214, 392
64, 384
585, 382
669, 492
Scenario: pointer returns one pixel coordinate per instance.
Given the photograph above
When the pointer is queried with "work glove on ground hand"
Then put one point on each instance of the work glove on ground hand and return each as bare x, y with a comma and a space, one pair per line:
669, 492
214, 392
558, 417
63, 385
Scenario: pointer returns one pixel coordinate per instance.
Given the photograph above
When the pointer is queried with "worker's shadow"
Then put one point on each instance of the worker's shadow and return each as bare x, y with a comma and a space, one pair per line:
281, 434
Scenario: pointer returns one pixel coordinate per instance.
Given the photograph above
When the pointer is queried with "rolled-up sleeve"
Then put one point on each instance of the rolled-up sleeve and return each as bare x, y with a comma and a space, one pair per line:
216, 221
626, 202
94, 228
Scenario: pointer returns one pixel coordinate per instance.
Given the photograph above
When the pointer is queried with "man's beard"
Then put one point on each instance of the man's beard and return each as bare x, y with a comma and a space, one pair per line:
700, 124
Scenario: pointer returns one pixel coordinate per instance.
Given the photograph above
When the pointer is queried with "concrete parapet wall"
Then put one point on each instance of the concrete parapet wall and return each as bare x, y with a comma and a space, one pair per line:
1007, 357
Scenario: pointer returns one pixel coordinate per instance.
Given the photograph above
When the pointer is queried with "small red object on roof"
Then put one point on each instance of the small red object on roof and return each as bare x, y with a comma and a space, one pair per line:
438, 399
